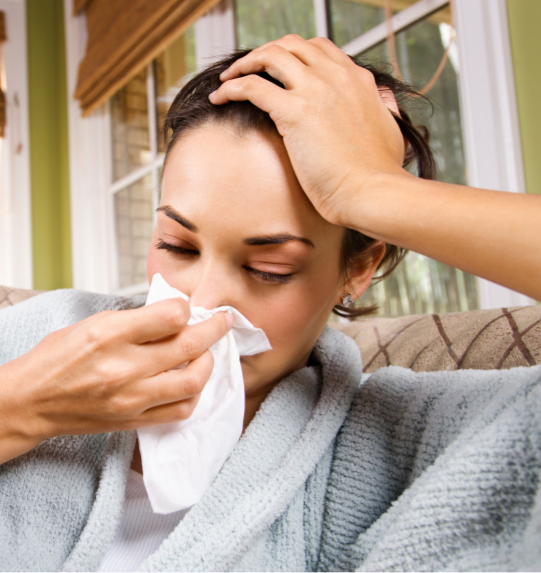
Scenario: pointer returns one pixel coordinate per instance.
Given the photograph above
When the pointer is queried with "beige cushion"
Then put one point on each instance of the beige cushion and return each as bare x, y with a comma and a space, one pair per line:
480, 339
11, 296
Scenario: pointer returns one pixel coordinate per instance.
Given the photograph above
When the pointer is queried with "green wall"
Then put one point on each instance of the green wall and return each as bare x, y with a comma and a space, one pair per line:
49, 151
525, 32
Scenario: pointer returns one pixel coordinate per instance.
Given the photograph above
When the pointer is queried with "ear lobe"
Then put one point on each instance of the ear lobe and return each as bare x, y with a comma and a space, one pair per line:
387, 97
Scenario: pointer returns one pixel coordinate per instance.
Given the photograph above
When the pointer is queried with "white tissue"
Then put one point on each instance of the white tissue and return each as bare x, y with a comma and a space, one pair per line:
181, 460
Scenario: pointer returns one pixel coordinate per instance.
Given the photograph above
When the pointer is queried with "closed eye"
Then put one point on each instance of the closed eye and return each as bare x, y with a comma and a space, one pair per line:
270, 277
175, 249
259, 275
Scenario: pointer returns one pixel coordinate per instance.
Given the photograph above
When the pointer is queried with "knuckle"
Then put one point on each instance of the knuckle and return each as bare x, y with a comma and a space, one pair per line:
111, 373
322, 41
366, 75
193, 383
122, 407
292, 37
184, 409
189, 346
98, 332
95, 336
250, 82
178, 313
272, 51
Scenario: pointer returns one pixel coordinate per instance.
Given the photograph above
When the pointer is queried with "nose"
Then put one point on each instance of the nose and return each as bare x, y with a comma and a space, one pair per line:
213, 286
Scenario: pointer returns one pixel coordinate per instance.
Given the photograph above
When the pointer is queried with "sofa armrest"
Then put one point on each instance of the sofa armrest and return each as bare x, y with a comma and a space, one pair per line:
479, 339
10, 296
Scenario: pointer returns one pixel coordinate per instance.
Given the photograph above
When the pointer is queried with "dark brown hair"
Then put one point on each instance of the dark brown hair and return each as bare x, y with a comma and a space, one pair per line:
192, 108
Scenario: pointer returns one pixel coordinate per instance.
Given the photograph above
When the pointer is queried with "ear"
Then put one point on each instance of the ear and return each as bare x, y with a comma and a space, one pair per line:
387, 97
359, 279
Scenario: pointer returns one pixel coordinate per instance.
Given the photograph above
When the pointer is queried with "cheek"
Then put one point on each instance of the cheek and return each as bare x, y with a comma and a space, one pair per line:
153, 263
295, 319
292, 322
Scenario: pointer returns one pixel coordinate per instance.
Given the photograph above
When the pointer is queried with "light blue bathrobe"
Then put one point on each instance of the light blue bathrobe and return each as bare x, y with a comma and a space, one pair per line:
407, 471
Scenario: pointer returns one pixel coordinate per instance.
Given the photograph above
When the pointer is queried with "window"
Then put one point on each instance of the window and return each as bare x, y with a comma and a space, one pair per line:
263, 21
422, 34
137, 112
420, 284
16, 262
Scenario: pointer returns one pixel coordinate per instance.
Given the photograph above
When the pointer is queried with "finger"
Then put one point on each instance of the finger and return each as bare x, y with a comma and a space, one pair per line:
161, 355
308, 53
273, 59
262, 93
138, 325
174, 385
166, 414
159, 319
316, 52
331, 50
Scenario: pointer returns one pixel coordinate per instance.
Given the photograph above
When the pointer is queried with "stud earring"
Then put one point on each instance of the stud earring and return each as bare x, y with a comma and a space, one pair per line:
347, 300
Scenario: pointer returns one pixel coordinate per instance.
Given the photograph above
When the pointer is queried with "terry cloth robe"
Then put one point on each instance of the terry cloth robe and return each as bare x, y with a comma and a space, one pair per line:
406, 471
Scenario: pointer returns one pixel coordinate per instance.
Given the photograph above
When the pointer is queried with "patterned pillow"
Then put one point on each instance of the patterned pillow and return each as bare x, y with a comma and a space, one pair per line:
479, 339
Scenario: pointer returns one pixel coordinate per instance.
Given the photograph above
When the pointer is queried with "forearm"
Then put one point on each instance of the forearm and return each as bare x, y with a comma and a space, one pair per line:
492, 234
18, 431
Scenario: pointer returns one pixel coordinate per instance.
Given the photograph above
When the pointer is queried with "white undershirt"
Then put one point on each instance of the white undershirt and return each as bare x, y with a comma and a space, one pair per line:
140, 532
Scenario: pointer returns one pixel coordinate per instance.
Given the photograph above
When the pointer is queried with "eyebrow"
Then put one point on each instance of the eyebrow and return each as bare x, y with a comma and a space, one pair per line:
172, 214
276, 239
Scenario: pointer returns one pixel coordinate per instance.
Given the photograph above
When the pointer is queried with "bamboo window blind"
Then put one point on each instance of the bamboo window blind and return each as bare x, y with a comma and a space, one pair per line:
123, 37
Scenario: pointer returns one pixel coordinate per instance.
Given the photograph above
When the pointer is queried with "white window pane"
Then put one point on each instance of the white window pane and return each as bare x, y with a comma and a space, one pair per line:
419, 51
420, 284
134, 221
260, 21
129, 126
351, 19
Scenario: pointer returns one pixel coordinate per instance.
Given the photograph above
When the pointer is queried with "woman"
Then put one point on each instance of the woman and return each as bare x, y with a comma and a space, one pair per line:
283, 219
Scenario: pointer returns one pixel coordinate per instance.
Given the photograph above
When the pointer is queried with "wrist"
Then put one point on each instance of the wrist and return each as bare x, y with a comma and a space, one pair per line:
370, 198
20, 430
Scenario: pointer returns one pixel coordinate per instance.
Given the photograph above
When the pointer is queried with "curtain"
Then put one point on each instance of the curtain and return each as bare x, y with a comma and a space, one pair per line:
124, 36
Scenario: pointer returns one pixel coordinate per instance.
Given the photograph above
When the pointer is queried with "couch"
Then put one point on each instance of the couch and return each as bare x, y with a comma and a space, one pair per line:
479, 339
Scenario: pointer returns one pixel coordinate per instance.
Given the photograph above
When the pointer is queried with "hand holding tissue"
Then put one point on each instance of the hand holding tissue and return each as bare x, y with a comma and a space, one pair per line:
181, 460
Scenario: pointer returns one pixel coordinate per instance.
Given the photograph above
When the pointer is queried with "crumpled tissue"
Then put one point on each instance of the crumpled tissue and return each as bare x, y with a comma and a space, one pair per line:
180, 460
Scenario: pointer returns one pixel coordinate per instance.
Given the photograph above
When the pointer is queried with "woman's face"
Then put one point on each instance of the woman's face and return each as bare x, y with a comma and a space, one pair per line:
235, 228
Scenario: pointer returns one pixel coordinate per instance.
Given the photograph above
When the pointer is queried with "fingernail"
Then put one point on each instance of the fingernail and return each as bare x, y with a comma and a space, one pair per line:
229, 319
212, 94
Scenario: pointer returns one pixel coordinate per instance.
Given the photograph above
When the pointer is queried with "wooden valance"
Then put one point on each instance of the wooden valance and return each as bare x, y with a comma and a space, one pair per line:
3, 35
124, 36
3, 38
79, 5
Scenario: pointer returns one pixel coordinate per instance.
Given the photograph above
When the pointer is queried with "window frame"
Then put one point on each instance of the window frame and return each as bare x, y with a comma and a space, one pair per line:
16, 263
482, 33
